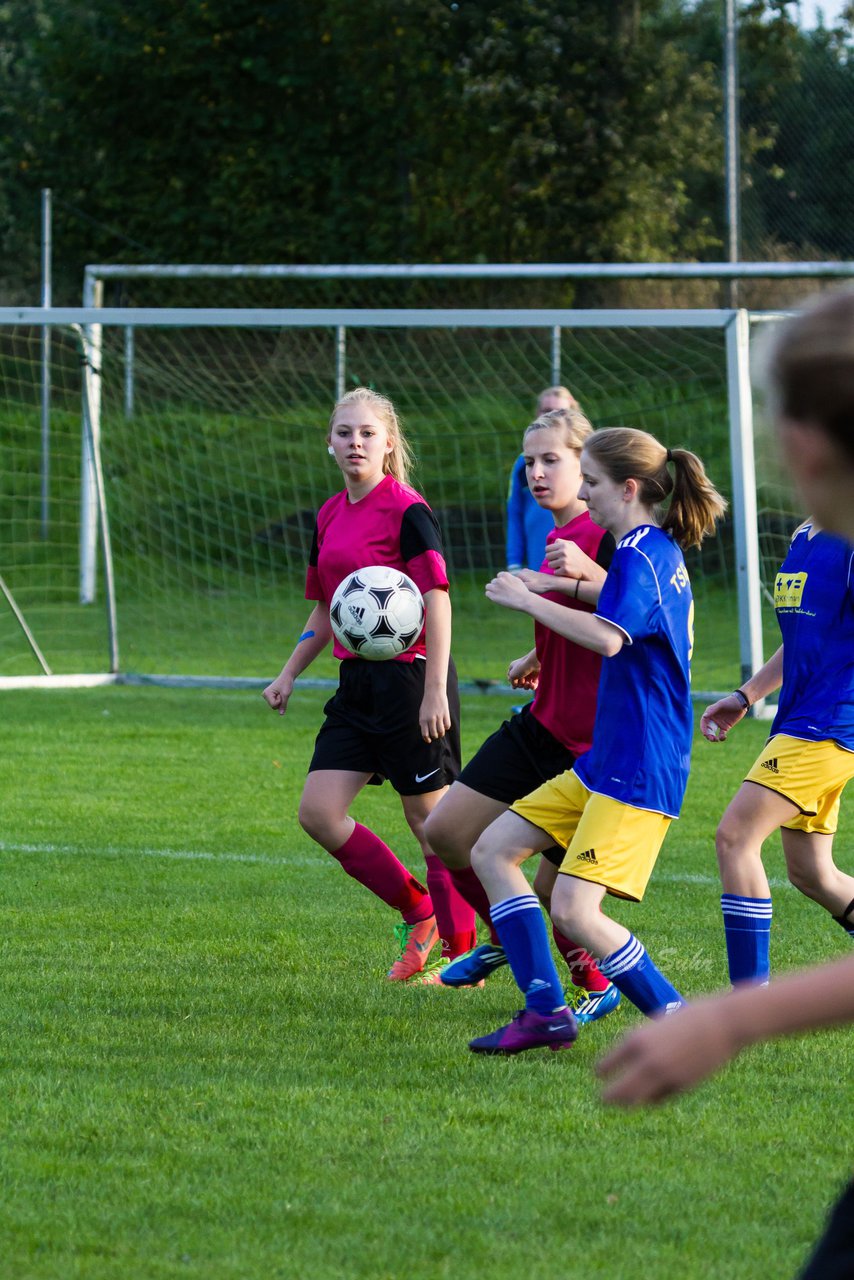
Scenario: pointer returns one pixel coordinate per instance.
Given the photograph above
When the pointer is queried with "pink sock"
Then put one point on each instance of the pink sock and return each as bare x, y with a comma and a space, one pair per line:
583, 969
367, 859
454, 916
469, 887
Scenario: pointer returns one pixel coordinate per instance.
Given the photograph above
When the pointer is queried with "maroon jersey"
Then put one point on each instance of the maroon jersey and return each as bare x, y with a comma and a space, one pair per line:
565, 700
392, 525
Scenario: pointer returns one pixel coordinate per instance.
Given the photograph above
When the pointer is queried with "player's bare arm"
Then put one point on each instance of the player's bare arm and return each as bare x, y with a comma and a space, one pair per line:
566, 559
583, 628
670, 1055
722, 716
523, 672
585, 589
314, 638
434, 717
536, 581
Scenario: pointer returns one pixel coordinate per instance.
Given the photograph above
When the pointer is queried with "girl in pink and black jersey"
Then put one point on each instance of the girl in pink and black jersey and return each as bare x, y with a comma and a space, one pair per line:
547, 735
397, 719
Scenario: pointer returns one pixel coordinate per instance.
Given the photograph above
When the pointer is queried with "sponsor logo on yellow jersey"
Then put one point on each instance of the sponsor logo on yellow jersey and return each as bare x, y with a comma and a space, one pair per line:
789, 590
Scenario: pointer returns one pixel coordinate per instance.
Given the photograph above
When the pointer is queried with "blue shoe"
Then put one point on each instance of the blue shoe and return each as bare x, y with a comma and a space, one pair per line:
529, 1030
589, 1006
474, 965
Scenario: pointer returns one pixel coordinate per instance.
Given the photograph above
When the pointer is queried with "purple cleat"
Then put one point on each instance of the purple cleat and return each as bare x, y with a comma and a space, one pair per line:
530, 1030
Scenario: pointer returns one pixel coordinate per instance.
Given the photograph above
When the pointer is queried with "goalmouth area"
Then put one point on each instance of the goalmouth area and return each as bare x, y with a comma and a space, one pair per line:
164, 463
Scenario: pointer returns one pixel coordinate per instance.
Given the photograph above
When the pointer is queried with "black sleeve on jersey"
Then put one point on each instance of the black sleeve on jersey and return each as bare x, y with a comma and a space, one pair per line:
419, 532
313, 554
605, 554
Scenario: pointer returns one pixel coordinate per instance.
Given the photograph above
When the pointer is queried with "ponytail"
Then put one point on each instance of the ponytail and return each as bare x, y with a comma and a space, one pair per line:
695, 504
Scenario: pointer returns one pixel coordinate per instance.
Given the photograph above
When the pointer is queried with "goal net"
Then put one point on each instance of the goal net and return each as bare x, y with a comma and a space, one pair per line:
210, 432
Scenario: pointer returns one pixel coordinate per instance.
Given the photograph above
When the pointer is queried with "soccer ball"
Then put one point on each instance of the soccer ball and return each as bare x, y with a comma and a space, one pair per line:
377, 613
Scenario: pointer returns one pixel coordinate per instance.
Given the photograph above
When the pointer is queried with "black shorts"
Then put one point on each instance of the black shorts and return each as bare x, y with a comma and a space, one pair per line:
515, 760
371, 726
833, 1257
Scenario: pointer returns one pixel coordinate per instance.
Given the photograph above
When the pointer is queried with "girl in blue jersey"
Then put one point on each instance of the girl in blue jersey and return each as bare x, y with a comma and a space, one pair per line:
796, 783
612, 810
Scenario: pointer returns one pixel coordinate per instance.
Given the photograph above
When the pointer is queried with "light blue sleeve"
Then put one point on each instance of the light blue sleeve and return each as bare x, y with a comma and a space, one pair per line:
516, 499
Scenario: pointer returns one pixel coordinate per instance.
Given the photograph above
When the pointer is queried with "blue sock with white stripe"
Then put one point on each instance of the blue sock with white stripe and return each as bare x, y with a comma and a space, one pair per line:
522, 932
747, 925
640, 981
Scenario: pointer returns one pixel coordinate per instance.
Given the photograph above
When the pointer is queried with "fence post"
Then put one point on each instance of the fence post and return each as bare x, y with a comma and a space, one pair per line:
556, 355
340, 361
47, 238
91, 355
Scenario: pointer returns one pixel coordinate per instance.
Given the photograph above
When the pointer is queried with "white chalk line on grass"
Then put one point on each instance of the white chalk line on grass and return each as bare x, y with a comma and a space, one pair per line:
320, 861
176, 855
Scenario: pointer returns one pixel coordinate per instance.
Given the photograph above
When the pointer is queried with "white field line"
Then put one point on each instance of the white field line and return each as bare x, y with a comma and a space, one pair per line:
301, 860
176, 855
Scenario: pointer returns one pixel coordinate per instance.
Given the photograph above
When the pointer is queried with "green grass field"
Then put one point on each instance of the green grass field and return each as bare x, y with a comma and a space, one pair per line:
206, 1075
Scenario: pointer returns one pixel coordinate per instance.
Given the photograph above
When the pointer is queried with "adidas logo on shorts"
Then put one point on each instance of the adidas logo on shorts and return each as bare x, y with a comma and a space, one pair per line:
770, 765
589, 855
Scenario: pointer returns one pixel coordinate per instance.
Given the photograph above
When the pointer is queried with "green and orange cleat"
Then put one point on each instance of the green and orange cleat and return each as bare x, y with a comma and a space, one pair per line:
416, 942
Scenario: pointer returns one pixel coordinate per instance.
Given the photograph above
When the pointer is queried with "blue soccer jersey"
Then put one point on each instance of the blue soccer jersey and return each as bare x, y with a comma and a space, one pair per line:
814, 599
644, 725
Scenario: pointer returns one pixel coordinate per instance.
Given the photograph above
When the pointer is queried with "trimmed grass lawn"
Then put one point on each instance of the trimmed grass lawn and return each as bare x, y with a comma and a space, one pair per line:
206, 1075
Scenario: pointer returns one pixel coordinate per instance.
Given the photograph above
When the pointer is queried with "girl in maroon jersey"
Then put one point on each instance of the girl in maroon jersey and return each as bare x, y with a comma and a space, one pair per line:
397, 719
545, 737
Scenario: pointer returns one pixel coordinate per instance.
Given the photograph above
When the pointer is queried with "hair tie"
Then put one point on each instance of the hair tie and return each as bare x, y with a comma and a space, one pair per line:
669, 456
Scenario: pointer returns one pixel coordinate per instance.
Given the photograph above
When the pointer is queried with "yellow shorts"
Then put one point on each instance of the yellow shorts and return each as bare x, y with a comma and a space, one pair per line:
810, 774
607, 842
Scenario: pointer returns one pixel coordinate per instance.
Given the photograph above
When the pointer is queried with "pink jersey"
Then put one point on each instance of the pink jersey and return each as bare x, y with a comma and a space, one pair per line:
565, 700
392, 525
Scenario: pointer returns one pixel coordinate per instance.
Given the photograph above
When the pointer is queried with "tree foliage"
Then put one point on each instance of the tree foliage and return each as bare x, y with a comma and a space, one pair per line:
413, 130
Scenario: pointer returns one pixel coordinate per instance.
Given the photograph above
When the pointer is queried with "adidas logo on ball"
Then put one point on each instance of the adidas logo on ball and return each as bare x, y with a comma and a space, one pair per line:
377, 613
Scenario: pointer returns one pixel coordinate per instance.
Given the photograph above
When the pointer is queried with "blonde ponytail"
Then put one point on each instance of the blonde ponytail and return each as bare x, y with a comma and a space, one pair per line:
695, 505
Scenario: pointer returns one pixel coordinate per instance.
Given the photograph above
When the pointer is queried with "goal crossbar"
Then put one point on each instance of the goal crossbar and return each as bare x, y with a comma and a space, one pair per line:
468, 271
366, 318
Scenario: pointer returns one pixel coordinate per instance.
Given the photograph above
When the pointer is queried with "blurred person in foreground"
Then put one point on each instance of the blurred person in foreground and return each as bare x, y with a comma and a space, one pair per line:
810, 382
